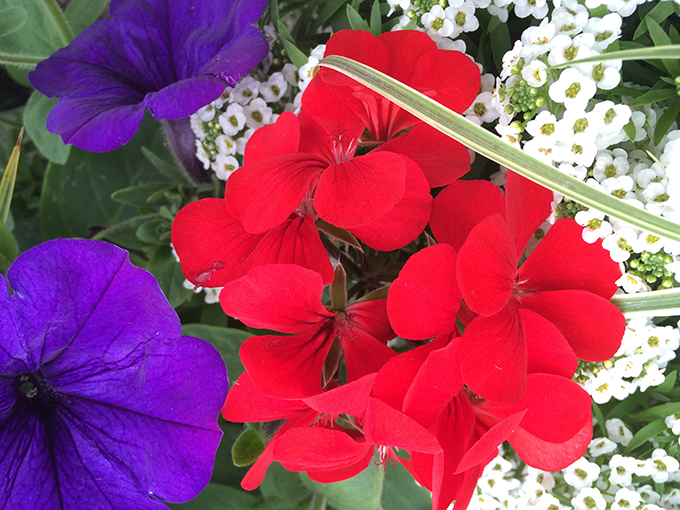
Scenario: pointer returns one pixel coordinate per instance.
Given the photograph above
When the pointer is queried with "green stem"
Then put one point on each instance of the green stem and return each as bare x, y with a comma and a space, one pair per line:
59, 20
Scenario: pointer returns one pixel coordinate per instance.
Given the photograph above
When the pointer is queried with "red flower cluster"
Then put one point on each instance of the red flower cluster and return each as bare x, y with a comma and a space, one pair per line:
354, 166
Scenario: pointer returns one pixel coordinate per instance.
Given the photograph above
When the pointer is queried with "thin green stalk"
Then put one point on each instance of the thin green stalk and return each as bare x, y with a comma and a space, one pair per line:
660, 303
670, 51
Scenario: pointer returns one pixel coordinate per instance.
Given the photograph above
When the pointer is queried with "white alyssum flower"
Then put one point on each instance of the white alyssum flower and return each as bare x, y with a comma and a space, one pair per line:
622, 470
510, 133
202, 155
618, 431
274, 89
611, 164
245, 90
620, 187
581, 474
207, 113
545, 127
601, 446
606, 75
225, 145
257, 113
197, 127
595, 225
232, 120
536, 40
573, 89
403, 4
536, 8
564, 48
631, 283
662, 464
535, 73
619, 244
605, 30
614, 117
570, 17
243, 140
579, 149
673, 423
224, 166
626, 499
589, 499
463, 16
484, 108
649, 496
438, 21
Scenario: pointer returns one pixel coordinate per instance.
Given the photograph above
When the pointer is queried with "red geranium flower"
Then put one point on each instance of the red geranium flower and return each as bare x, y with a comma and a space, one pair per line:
287, 298
565, 280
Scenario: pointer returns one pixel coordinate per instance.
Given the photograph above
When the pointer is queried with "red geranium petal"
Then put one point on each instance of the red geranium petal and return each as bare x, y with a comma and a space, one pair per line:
343, 473
423, 301
405, 49
459, 207
318, 448
486, 447
486, 266
386, 426
282, 297
441, 158
356, 192
551, 456
592, 325
261, 195
350, 398
210, 243
563, 260
527, 206
371, 317
363, 353
406, 220
493, 356
287, 367
282, 137
548, 351
295, 241
245, 403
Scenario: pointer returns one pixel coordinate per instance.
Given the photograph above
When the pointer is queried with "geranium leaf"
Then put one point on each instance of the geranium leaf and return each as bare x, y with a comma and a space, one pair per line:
247, 448
494, 148
361, 492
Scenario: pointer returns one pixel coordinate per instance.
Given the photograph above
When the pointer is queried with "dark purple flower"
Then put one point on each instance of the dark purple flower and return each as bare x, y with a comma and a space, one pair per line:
171, 56
103, 404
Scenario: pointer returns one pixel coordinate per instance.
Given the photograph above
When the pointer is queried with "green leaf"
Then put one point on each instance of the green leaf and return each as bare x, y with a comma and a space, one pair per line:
630, 130
168, 272
500, 42
227, 341
76, 197
8, 248
124, 233
35, 118
646, 433
80, 14
297, 57
657, 412
220, 497
400, 491
600, 417
9, 178
139, 195
362, 492
11, 20
247, 448
657, 52
492, 147
658, 14
666, 121
329, 9
355, 20
653, 96
668, 383
376, 21
43, 33
622, 409
659, 303
171, 170
660, 38
283, 486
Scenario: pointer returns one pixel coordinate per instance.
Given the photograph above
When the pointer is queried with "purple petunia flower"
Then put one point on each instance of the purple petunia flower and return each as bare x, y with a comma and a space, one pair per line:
171, 56
103, 404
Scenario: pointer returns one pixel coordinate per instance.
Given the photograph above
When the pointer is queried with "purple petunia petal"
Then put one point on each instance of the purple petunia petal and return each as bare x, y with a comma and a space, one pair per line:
102, 403
171, 56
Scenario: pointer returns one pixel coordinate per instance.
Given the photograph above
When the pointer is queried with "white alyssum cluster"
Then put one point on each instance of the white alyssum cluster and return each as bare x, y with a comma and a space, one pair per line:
223, 127
639, 363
